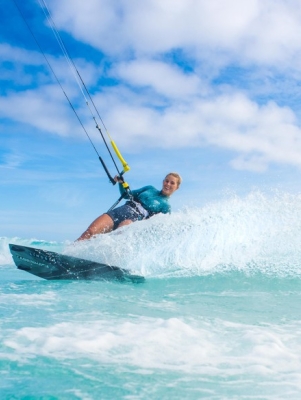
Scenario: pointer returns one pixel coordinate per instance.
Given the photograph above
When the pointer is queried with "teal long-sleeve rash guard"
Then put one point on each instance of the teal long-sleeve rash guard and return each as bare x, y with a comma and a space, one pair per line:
150, 198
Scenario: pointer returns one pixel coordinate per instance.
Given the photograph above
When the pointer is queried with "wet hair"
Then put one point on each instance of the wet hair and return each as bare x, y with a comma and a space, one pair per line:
175, 175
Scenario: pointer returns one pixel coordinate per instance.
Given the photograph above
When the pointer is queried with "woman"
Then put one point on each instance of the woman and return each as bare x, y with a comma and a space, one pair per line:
143, 203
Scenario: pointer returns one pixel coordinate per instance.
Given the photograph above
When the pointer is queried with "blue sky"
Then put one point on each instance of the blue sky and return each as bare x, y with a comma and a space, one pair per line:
208, 89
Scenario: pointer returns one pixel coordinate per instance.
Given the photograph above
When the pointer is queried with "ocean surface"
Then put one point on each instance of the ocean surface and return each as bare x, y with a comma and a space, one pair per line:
218, 317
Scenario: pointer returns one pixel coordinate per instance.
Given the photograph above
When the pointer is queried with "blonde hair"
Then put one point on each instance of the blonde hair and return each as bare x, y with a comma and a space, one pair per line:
175, 175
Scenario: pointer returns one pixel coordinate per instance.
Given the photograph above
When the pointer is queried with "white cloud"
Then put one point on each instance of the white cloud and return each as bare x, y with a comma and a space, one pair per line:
273, 36
154, 26
229, 121
19, 55
12, 160
155, 102
167, 80
23, 63
19, 60
37, 99
252, 163
43, 108
264, 31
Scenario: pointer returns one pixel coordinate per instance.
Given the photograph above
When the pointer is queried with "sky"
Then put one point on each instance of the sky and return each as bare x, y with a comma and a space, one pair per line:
209, 89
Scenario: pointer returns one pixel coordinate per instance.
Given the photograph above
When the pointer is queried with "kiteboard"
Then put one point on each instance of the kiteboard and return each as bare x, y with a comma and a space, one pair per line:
54, 266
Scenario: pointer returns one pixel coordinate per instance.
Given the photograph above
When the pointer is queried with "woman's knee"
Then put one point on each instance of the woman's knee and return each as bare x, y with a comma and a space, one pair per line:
102, 224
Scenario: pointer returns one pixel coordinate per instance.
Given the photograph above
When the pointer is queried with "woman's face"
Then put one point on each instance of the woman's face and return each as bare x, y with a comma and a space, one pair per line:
170, 185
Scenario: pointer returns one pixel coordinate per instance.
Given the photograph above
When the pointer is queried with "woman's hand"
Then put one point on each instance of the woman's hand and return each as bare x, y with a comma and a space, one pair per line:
118, 179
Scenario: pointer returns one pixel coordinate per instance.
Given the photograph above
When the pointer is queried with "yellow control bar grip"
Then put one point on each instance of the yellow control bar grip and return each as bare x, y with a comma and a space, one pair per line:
122, 160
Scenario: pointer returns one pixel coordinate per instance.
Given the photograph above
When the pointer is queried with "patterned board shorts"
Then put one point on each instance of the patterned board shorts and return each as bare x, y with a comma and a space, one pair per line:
122, 213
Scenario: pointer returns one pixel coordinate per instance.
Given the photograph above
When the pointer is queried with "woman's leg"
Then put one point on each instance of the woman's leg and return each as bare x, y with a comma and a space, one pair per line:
124, 223
102, 224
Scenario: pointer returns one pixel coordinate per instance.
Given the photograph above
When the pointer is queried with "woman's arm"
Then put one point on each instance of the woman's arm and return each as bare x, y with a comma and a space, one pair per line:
135, 192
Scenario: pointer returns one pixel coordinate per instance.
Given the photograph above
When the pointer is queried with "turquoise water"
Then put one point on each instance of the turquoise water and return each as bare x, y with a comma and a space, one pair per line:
217, 317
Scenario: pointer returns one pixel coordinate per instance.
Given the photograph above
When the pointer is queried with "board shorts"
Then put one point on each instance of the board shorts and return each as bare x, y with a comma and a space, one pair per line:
127, 211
